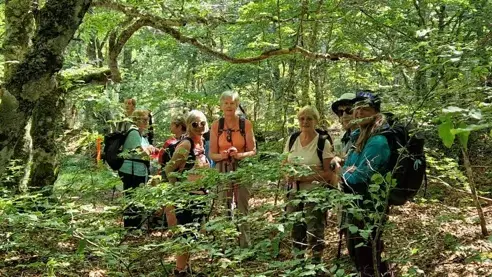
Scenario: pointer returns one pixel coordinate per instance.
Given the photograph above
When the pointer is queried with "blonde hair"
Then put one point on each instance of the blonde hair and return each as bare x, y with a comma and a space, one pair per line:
192, 116
140, 115
178, 120
229, 93
369, 130
310, 111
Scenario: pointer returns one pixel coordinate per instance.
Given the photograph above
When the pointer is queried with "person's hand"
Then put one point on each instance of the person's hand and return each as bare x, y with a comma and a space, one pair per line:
224, 155
232, 152
336, 164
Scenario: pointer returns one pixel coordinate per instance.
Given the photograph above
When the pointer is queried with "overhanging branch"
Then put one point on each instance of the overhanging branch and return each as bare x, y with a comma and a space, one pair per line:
167, 26
272, 53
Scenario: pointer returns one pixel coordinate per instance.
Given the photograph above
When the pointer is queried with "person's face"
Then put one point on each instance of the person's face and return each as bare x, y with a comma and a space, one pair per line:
345, 115
364, 114
175, 129
307, 122
197, 127
228, 106
143, 123
129, 107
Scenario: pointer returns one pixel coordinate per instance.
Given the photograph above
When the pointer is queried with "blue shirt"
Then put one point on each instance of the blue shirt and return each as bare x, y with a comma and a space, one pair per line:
374, 158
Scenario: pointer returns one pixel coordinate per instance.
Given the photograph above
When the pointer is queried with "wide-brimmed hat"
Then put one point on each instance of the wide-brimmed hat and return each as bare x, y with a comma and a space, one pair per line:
345, 99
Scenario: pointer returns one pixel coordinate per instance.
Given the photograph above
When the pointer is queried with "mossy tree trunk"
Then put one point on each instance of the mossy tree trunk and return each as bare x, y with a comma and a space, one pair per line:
19, 28
45, 130
33, 79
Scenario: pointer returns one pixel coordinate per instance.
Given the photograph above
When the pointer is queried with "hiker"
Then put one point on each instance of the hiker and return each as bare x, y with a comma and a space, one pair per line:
178, 129
231, 140
309, 148
189, 154
369, 154
134, 170
130, 105
342, 108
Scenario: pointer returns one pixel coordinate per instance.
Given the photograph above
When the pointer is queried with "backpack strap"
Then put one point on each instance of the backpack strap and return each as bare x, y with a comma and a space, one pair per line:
320, 148
292, 139
221, 126
190, 161
242, 126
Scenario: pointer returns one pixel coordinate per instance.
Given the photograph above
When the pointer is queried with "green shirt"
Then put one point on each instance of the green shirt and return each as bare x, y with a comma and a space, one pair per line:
132, 142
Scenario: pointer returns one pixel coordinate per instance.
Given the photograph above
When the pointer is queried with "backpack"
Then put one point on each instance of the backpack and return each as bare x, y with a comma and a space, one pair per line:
319, 148
169, 152
242, 126
113, 146
407, 161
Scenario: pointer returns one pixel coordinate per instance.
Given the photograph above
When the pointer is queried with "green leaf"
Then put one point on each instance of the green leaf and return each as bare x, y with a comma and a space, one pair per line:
281, 228
353, 229
463, 136
445, 133
453, 109
81, 247
340, 272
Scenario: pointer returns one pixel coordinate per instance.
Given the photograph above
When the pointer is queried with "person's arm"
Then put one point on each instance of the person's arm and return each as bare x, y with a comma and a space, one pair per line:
373, 158
178, 159
250, 142
214, 144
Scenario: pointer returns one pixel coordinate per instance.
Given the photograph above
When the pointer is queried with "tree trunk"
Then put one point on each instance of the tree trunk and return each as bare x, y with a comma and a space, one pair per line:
469, 173
19, 27
46, 128
34, 77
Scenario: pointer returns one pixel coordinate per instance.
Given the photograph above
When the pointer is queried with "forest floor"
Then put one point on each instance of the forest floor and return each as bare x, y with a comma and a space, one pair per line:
426, 238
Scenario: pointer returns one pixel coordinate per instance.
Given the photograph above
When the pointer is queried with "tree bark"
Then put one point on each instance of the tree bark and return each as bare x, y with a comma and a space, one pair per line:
46, 128
34, 77
19, 27
116, 43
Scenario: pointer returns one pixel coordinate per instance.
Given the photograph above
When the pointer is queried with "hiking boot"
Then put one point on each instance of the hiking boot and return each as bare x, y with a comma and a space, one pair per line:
183, 273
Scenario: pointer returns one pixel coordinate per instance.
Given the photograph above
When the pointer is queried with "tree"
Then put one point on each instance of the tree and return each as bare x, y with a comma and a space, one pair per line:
34, 78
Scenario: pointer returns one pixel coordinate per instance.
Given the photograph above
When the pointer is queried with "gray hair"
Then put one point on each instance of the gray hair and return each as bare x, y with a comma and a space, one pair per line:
310, 111
230, 93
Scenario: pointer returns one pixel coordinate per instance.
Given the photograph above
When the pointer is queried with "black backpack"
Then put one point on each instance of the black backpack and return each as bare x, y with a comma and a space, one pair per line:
242, 126
407, 161
169, 152
113, 146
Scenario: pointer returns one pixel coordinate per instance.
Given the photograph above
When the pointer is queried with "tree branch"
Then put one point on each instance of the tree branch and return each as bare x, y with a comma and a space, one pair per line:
116, 44
272, 53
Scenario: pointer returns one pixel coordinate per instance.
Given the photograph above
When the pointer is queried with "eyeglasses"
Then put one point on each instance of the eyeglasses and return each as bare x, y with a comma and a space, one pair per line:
196, 124
347, 110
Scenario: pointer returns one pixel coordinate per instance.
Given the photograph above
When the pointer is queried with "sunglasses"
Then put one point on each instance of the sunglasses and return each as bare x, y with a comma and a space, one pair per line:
346, 110
196, 124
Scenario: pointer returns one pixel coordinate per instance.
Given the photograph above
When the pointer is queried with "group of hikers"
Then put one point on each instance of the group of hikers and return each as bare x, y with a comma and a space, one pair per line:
348, 165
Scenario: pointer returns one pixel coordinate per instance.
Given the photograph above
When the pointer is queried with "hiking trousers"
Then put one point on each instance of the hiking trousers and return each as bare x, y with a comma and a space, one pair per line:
132, 215
235, 197
362, 256
309, 228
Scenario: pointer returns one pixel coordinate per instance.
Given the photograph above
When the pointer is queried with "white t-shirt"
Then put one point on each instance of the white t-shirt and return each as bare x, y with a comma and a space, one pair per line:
307, 155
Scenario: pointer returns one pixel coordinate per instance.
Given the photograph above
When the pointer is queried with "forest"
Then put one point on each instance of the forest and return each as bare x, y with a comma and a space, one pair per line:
72, 72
